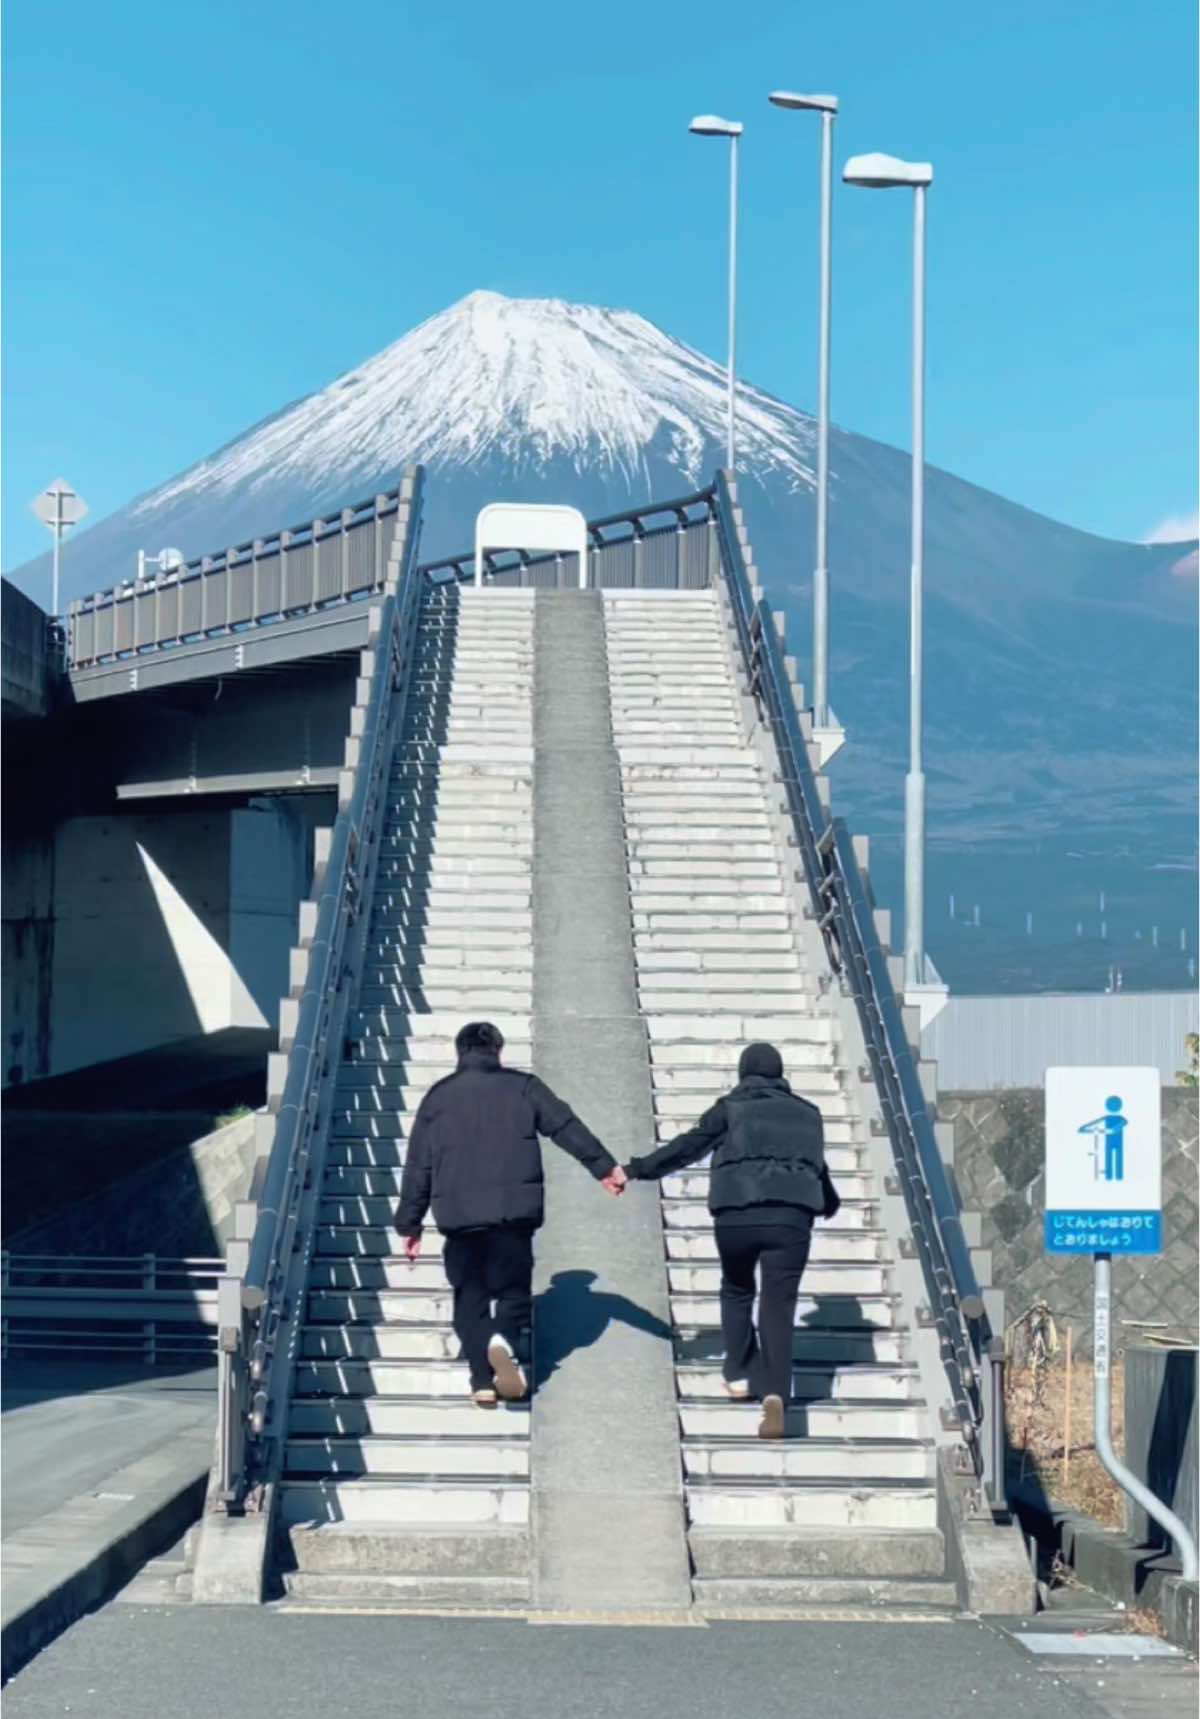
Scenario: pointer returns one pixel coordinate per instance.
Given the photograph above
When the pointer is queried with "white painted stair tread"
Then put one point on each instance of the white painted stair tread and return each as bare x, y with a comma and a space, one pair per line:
718, 964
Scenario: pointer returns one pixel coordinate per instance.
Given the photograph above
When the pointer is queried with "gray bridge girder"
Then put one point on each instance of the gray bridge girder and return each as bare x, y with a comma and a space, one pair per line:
331, 632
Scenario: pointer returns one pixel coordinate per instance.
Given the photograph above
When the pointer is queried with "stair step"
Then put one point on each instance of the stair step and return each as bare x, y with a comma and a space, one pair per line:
825, 1279
693, 1312
429, 1504
837, 1381
363, 1378
854, 1216
849, 1553
383, 1549
419, 1340
407, 1421
865, 1593
442, 1459
851, 1184
817, 1458
894, 1422
829, 1344
828, 1246
412, 1024
378, 1307
425, 1059
481, 996
811, 1504
467, 1592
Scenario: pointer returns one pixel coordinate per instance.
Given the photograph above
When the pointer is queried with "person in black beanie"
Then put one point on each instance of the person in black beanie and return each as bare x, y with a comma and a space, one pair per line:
768, 1182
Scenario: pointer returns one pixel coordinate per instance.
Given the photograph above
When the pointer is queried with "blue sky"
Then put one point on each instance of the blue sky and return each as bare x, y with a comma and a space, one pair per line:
213, 208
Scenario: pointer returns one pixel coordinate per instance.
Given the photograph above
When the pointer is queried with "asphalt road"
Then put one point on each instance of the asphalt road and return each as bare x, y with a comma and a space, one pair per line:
66, 1429
182, 1662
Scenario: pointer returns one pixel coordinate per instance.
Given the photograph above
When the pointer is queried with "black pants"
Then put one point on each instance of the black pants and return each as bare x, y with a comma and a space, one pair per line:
486, 1266
780, 1251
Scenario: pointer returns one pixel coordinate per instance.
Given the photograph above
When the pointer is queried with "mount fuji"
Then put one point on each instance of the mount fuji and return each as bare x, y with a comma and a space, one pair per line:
1060, 667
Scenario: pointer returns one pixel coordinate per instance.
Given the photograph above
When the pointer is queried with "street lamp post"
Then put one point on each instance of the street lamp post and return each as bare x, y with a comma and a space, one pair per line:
884, 173
826, 106
711, 125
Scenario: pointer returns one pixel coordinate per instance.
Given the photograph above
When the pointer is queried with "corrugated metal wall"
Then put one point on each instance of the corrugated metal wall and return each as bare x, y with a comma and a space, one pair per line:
985, 1042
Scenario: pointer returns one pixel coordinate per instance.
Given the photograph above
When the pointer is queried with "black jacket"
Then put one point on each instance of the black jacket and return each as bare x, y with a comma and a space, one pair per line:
474, 1155
768, 1148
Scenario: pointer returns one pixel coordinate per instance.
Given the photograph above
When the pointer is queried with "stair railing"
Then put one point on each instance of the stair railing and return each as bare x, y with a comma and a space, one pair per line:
841, 905
663, 545
260, 1296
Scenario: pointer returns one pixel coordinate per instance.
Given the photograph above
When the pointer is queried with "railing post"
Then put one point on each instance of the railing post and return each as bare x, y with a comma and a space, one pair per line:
206, 562
318, 525
347, 516
149, 1283
380, 558
256, 554
285, 542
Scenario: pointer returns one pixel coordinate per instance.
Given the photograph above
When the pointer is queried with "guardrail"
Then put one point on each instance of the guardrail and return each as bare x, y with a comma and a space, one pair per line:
315, 565
841, 905
88, 1305
626, 549
260, 1295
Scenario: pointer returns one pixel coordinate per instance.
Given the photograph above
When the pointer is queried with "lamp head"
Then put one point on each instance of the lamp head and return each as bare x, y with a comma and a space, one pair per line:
817, 103
883, 172
712, 125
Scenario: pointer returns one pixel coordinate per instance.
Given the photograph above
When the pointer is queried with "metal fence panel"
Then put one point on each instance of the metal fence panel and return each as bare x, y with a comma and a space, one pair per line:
168, 611
189, 607
613, 565
984, 1042
213, 589
270, 585
361, 555
297, 578
328, 555
242, 587
123, 624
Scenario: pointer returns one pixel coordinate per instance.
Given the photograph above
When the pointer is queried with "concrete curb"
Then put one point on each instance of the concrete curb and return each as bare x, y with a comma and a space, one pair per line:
1115, 1566
72, 1559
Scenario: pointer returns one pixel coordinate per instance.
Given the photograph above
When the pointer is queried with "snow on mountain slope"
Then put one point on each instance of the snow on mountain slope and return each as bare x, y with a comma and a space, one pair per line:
527, 381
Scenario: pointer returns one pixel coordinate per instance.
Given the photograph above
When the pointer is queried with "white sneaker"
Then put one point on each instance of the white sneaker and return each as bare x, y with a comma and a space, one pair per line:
738, 1389
510, 1379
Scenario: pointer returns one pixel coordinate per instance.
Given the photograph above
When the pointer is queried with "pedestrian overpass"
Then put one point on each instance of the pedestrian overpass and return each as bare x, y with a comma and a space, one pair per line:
582, 798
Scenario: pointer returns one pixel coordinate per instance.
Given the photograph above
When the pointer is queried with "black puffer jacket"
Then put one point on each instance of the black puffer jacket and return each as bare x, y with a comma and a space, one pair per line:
768, 1148
474, 1156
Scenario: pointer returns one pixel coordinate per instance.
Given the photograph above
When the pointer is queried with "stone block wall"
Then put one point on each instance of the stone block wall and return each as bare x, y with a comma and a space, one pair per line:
999, 1150
180, 1207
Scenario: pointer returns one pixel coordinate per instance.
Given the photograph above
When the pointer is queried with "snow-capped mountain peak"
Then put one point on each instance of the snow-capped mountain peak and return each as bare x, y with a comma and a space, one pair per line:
530, 381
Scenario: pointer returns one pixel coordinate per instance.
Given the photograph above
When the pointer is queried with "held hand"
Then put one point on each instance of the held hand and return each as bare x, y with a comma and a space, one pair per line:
616, 1180
412, 1249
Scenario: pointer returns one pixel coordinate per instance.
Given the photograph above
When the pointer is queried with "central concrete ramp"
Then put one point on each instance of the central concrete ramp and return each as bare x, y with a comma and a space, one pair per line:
608, 1517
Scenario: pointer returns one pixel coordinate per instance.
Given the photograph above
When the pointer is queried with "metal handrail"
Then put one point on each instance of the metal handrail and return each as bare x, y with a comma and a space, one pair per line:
463, 566
841, 906
93, 1304
255, 1315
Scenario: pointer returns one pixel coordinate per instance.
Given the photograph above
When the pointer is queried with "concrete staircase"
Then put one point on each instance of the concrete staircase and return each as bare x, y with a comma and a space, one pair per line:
396, 1487
845, 1511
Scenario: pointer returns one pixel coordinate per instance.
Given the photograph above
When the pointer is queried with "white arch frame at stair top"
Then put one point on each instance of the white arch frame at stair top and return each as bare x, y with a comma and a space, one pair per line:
531, 525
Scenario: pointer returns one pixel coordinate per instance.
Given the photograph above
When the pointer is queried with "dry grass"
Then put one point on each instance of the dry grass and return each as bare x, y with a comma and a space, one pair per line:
1037, 1428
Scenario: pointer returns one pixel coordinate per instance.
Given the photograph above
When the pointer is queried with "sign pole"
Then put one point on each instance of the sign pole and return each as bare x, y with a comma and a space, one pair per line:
58, 507
1125, 1479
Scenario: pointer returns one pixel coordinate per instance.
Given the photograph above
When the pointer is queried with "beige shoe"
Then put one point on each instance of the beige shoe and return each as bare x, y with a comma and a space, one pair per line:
485, 1398
774, 1418
738, 1389
510, 1379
